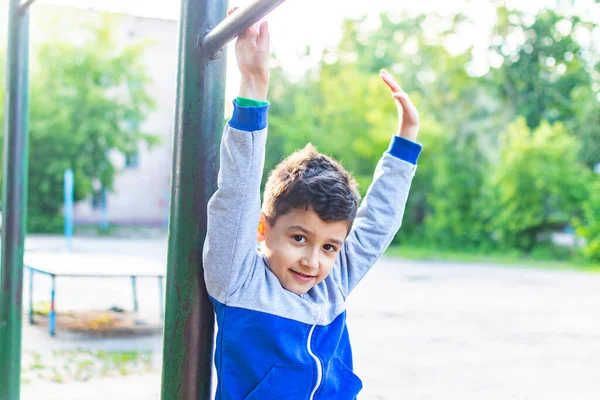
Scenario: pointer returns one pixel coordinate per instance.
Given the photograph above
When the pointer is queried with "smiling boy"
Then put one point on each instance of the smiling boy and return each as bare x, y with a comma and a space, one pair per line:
281, 308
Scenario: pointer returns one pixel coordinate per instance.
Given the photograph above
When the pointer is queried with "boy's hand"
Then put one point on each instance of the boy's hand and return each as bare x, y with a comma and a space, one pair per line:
408, 127
252, 53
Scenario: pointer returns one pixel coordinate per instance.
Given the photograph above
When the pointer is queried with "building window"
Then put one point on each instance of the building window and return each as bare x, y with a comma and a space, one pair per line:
132, 160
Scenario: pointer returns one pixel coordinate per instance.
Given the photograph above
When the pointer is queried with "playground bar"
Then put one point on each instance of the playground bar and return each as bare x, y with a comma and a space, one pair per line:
14, 211
238, 22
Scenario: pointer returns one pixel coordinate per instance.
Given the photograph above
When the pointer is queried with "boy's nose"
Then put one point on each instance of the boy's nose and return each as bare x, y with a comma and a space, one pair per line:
311, 260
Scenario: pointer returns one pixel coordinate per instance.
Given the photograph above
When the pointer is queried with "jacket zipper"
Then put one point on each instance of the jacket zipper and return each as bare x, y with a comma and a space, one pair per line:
319, 365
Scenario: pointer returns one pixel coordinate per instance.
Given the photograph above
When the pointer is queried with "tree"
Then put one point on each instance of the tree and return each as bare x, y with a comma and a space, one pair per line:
87, 100
538, 184
588, 227
541, 64
586, 126
349, 115
343, 108
469, 190
414, 48
458, 217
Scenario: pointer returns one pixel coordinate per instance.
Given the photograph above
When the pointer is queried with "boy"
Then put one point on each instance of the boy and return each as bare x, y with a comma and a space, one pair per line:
280, 310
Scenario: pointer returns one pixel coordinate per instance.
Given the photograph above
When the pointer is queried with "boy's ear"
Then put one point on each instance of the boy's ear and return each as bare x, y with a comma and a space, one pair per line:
261, 230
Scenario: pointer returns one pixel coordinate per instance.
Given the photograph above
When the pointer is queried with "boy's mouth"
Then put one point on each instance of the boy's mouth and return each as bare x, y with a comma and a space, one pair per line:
302, 277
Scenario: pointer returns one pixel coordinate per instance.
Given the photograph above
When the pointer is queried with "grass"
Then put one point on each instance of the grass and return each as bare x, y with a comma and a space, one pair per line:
540, 260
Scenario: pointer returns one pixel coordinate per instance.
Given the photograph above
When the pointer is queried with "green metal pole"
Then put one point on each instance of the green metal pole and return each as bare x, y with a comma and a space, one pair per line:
15, 200
199, 117
199, 114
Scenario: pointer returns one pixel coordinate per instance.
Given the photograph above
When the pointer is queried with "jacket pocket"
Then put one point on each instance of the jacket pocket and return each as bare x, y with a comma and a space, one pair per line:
340, 382
285, 382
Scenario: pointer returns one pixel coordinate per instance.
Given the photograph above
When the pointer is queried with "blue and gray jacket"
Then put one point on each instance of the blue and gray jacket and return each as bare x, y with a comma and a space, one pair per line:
272, 343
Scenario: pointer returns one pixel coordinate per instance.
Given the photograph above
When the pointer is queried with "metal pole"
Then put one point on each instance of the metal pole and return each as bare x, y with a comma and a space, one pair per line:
135, 298
15, 200
68, 208
238, 22
199, 115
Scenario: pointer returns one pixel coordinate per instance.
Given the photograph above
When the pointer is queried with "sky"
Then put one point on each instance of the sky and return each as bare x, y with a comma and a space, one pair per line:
296, 24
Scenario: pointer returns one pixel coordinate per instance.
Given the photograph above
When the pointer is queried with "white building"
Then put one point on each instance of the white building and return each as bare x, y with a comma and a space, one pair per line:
140, 195
141, 190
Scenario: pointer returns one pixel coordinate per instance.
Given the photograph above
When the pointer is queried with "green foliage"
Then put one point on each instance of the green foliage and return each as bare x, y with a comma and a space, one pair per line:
319, 111
538, 183
87, 101
419, 208
586, 126
547, 73
476, 188
40, 223
494, 175
346, 111
588, 227
458, 211
413, 47
542, 63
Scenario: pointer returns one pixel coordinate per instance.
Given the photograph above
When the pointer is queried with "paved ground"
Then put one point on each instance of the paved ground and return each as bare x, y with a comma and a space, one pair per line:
420, 330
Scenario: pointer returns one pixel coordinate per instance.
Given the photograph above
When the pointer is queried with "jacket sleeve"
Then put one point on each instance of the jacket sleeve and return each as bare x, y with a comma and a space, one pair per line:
380, 214
234, 209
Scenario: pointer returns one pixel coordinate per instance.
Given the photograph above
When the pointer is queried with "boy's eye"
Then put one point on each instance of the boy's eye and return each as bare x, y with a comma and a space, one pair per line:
299, 238
329, 247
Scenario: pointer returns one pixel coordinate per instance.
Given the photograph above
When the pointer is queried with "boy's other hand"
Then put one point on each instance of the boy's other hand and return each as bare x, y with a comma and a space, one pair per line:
252, 53
408, 126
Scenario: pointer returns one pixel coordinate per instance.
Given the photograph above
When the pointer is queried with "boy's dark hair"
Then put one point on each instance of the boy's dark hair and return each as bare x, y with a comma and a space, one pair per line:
306, 179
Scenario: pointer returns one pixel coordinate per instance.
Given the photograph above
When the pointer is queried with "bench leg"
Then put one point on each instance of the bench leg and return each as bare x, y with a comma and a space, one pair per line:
161, 297
31, 322
135, 299
52, 315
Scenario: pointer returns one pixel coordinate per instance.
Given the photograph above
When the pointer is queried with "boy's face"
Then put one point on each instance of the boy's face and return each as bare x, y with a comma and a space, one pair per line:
301, 248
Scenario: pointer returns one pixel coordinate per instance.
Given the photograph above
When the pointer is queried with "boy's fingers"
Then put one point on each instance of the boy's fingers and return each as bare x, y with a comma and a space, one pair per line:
401, 96
264, 28
231, 10
406, 104
390, 81
403, 99
263, 36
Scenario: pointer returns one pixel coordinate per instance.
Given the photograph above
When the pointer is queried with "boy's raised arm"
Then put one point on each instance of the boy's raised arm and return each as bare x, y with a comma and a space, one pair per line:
380, 214
234, 209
